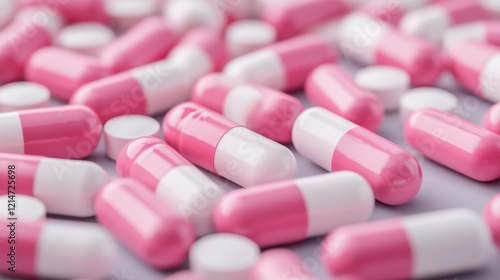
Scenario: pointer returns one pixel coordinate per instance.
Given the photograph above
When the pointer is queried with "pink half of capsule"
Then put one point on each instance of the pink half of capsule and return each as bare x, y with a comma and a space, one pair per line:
280, 264
332, 87
492, 216
155, 232
148, 41
263, 110
62, 132
336, 144
390, 11
63, 71
289, 211
219, 145
283, 65
491, 119
404, 249
455, 143
73, 11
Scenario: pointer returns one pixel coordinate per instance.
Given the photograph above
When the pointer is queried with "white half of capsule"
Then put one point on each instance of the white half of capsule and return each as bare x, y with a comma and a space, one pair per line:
488, 79
240, 102
194, 60
239, 42
185, 15
475, 31
11, 138
193, 194
24, 207
429, 22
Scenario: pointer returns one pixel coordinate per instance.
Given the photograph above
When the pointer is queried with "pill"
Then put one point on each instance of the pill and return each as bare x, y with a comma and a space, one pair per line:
455, 143
224, 256
266, 111
7, 10
369, 41
126, 13
23, 96
16, 47
19, 206
246, 36
58, 249
172, 178
217, 144
185, 275
492, 216
280, 264
147, 90
426, 97
73, 11
293, 210
491, 119
71, 132
486, 31
329, 30
66, 187
459, 242
332, 87
63, 71
86, 37
337, 144
475, 66
283, 65
153, 231
386, 82
147, 41
392, 11
185, 15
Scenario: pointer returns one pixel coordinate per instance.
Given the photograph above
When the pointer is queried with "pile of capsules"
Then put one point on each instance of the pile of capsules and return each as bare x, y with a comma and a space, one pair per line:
222, 70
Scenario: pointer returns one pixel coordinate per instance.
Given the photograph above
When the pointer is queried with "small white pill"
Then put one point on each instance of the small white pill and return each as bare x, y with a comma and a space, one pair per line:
224, 257
86, 37
126, 13
426, 97
120, 130
23, 207
22, 96
245, 36
386, 82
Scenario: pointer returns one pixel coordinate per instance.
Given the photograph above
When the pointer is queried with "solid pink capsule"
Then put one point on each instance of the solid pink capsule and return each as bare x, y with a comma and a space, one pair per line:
492, 216
219, 145
455, 143
336, 144
73, 11
283, 65
63, 71
280, 264
491, 119
332, 87
263, 110
71, 132
152, 230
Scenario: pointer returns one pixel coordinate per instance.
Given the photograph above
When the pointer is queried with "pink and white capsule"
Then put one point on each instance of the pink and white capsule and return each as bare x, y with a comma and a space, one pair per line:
486, 31
284, 65
492, 216
172, 178
491, 119
73, 11
404, 249
58, 250
337, 144
280, 264
63, 132
455, 143
219, 145
266, 111
369, 41
289, 211
332, 87
155, 232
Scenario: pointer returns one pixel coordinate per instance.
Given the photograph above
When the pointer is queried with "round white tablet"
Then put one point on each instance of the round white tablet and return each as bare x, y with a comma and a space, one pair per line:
126, 13
224, 256
23, 207
85, 37
22, 96
123, 129
386, 82
426, 97
245, 36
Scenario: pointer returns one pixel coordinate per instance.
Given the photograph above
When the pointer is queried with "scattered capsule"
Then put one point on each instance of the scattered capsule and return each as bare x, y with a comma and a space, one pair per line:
239, 42
492, 216
487, 31
73, 11
186, 15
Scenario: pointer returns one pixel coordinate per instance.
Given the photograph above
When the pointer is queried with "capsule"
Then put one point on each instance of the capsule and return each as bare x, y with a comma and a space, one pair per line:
491, 119
332, 87
215, 143
475, 66
337, 144
186, 15
369, 41
392, 11
266, 111
414, 247
289, 211
63, 71
492, 216
485, 31
126, 13
71, 132
73, 11
239, 43
455, 143
148, 41
284, 65
56, 249
172, 178
280, 264
155, 232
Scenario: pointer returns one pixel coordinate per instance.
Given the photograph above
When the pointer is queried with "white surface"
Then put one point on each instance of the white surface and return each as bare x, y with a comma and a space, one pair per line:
428, 22
425, 97
126, 13
335, 199
26, 208
194, 60
448, 242
22, 96
185, 15
246, 36
86, 37
224, 257
11, 138
490, 87
240, 102
476, 31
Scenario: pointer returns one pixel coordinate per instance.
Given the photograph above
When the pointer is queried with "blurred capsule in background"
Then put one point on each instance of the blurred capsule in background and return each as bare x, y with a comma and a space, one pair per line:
280, 264
23, 96
246, 36
487, 31
185, 15
185, 275
71, 10
126, 13
86, 37
392, 11
492, 216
